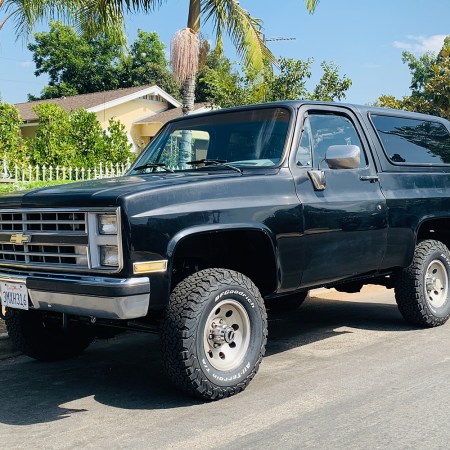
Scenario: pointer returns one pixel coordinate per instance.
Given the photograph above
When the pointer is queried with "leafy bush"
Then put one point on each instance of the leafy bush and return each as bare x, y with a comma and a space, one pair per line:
76, 139
10, 141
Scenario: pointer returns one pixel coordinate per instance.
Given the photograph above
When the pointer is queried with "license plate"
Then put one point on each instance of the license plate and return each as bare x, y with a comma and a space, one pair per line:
14, 295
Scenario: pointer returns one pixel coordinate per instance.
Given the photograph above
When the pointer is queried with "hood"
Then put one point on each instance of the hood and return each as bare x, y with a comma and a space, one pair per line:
106, 192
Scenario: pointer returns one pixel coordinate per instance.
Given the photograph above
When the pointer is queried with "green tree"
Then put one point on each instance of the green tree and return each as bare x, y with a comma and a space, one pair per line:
290, 83
145, 63
430, 88
77, 64
10, 141
331, 86
222, 84
147, 48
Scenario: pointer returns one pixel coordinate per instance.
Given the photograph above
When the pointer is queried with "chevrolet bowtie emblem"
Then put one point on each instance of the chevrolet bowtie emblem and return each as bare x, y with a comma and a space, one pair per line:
20, 239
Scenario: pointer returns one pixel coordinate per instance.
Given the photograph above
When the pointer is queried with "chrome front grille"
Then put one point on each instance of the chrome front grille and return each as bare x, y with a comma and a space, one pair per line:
43, 221
44, 238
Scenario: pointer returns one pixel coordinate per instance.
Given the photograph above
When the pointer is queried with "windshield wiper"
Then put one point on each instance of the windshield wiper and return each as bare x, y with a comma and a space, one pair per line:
154, 166
215, 162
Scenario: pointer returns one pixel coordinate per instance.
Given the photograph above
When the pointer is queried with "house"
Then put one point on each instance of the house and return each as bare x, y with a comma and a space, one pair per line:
143, 110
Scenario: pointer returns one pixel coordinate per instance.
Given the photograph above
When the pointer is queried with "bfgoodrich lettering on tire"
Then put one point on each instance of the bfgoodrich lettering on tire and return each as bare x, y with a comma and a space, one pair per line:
422, 289
214, 333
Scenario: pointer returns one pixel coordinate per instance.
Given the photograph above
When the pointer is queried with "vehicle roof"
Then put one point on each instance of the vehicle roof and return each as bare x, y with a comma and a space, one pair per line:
295, 104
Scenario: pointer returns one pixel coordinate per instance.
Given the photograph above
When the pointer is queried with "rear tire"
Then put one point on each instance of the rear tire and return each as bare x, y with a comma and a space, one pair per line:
422, 289
45, 340
214, 333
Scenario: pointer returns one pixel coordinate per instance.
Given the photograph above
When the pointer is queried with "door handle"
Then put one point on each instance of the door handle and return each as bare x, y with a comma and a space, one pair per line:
371, 178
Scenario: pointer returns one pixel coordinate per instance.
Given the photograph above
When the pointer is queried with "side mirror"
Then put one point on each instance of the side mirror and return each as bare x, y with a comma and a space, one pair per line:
343, 156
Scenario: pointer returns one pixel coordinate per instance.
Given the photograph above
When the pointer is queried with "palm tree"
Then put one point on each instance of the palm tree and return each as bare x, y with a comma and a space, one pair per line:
227, 15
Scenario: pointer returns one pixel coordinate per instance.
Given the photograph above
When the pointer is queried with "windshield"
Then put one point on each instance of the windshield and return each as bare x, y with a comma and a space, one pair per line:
241, 139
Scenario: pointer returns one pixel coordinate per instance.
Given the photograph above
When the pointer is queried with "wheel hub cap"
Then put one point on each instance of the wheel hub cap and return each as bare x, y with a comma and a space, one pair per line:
436, 284
227, 335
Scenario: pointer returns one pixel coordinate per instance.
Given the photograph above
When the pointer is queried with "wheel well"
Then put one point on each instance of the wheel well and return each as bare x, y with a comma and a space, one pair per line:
249, 252
437, 229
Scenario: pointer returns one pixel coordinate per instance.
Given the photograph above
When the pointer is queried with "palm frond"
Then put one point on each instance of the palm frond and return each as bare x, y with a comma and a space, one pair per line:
311, 5
88, 16
93, 17
245, 31
27, 13
117, 8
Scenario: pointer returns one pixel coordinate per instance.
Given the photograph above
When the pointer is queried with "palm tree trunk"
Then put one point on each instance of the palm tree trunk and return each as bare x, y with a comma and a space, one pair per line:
189, 89
186, 135
194, 16
188, 94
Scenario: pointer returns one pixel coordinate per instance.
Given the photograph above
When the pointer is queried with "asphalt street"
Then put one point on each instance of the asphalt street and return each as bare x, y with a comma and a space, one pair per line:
344, 371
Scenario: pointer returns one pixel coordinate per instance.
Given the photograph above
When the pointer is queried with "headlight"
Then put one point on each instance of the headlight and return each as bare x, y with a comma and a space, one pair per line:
109, 255
104, 240
107, 224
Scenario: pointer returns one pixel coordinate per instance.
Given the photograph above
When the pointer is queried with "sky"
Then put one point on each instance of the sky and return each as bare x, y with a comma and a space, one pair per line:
365, 38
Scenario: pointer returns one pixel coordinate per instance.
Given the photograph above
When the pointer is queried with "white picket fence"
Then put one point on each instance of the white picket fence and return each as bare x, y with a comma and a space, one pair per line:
12, 172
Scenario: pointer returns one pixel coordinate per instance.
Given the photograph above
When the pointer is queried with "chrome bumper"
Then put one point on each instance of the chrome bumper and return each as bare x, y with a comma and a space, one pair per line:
107, 298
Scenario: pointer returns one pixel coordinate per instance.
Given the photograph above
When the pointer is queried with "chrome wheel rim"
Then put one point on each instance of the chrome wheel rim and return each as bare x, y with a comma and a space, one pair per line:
436, 284
227, 335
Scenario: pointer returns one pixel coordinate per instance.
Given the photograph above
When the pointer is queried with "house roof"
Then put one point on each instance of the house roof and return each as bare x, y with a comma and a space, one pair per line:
96, 101
170, 114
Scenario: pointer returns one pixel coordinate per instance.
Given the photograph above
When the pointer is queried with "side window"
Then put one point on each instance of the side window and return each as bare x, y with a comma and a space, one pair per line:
332, 129
304, 154
413, 141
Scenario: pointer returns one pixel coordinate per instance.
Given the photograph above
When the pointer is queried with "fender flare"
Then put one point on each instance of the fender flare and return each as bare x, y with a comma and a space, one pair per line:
214, 228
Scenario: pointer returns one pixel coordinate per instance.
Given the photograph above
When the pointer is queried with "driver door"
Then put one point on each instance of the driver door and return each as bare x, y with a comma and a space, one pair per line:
345, 224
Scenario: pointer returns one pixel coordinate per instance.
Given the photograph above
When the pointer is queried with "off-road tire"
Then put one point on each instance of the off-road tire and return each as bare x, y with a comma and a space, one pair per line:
185, 339
414, 289
37, 338
287, 303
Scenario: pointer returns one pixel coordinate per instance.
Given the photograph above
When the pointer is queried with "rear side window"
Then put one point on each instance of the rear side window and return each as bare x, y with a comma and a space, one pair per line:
413, 141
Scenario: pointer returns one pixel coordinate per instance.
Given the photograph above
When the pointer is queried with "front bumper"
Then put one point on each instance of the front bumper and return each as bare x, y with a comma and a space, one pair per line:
107, 298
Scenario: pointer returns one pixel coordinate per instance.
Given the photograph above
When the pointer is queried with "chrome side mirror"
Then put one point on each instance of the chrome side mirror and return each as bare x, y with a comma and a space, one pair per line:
343, 156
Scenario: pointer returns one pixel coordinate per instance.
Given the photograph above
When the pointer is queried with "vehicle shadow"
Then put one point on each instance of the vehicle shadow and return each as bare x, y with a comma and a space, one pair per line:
321, 318
126, 372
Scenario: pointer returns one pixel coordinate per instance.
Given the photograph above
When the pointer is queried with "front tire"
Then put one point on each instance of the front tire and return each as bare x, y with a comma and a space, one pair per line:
422, 289
45, 340
214, 333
